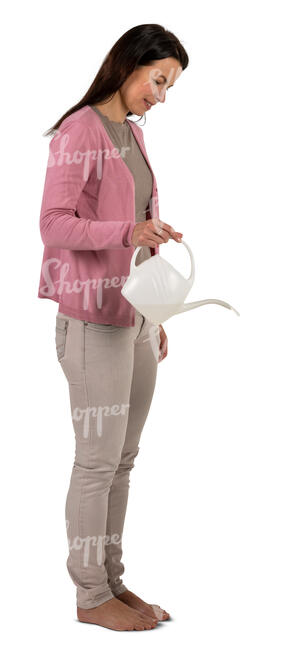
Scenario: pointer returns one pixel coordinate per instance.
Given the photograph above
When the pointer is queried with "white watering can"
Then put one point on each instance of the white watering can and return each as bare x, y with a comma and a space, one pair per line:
158, 291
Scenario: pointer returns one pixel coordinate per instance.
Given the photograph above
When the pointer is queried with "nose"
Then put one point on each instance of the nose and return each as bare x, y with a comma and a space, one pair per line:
161, 97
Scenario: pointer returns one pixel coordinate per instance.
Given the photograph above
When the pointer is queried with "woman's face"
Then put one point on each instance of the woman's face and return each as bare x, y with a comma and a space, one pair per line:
149, 84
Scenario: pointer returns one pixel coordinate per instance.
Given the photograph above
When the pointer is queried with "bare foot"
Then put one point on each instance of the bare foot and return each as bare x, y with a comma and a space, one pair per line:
116, 616
137, 603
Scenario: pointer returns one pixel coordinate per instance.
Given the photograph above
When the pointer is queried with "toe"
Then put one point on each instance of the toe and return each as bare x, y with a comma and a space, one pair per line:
149, 619
161, 614
146, 622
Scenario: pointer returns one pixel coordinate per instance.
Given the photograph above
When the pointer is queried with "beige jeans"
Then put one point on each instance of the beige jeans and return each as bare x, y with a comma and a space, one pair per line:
111, 373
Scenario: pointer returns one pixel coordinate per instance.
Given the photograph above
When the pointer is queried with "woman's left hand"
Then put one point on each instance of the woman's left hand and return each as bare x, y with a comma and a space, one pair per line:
163, 348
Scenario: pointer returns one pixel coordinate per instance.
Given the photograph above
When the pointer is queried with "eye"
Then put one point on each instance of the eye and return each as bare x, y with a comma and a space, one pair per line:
159, 83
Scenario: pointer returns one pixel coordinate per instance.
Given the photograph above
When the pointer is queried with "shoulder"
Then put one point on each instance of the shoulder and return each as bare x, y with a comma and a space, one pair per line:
83, 117
81, 125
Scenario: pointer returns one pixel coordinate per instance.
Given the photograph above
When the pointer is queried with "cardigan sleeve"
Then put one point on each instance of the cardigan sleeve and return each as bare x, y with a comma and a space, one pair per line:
70, 163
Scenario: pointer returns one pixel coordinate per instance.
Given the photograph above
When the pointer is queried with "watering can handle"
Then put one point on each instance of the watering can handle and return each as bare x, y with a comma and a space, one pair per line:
192, 273
132, 263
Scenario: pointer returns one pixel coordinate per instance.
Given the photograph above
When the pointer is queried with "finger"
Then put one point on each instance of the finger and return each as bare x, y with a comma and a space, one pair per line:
166, 234
158, 225
151, 242
159, 233
159, 238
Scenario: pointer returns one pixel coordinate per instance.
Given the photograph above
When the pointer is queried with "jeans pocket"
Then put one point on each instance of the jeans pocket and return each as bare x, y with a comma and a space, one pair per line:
61, 336
100, 327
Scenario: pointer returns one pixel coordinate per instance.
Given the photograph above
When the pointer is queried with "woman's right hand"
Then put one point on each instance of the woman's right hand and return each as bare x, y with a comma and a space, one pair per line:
153, 232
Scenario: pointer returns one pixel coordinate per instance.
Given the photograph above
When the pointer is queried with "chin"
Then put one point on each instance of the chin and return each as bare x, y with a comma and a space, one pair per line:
139, 112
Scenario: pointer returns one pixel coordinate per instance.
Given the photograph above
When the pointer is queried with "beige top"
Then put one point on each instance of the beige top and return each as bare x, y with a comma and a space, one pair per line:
122, 136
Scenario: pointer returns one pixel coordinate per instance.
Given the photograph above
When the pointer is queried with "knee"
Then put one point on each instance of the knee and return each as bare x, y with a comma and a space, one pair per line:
97, 474
126, 463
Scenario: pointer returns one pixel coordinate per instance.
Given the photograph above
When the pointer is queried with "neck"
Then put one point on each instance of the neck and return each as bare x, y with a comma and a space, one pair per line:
113, 109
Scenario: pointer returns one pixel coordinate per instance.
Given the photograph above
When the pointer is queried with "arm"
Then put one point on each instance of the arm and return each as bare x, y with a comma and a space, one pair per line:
69, 165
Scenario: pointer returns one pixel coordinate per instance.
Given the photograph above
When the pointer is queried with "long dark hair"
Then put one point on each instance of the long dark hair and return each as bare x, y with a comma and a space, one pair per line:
141, 45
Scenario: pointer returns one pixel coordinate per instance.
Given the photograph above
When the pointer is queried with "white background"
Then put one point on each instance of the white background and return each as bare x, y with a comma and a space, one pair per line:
212, 527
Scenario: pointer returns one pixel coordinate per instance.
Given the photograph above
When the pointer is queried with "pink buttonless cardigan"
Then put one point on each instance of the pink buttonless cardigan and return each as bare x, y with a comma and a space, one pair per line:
86, 221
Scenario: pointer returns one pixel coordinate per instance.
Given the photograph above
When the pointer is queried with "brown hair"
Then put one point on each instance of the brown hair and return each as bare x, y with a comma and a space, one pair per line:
140, 45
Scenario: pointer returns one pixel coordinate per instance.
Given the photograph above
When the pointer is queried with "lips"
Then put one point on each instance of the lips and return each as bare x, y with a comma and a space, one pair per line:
147, 104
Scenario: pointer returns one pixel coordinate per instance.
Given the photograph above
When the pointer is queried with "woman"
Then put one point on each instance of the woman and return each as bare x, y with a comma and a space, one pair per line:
99, 203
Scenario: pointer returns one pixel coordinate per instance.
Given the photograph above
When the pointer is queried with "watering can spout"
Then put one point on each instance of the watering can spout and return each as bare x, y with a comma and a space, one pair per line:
199, 303
158, 290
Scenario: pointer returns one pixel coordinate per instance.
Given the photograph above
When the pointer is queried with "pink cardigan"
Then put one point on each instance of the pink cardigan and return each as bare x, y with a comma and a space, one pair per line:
87, 219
